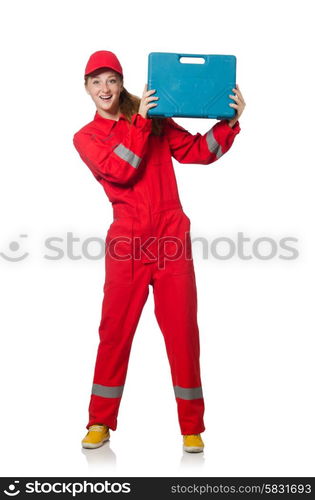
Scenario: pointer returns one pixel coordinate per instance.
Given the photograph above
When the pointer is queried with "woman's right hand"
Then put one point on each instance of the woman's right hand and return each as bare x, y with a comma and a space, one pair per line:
145, 102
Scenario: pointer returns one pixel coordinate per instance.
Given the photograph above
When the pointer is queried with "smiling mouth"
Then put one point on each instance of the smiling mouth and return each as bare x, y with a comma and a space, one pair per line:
106, 98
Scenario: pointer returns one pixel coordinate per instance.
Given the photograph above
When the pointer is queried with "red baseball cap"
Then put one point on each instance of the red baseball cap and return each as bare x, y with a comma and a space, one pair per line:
103, 59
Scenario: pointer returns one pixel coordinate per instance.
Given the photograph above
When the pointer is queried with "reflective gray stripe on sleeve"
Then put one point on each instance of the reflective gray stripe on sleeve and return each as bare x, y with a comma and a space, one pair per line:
188, 393
127, 155
107, 391
213, 145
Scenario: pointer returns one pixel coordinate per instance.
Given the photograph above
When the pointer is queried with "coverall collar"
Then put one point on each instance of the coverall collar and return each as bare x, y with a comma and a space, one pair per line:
108, 122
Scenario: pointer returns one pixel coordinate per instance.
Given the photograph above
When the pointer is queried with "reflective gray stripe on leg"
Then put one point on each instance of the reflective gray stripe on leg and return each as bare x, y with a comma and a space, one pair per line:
106, 391
188, 393
213, 145
127, 155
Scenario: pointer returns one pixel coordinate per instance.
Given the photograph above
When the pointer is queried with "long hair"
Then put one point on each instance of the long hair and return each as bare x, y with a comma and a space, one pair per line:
129, 104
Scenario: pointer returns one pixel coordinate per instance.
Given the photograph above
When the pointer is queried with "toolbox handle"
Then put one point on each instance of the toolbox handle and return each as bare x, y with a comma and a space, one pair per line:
200, 56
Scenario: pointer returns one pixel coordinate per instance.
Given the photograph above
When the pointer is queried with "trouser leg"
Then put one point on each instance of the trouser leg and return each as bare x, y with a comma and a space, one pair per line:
175, 298
121, 310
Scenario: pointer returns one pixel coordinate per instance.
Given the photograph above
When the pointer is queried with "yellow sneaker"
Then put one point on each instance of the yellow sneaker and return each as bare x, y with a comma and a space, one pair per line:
193, 443
96, 436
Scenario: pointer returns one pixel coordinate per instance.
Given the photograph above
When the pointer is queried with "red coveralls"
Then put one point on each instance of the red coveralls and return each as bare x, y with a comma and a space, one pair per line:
148, 243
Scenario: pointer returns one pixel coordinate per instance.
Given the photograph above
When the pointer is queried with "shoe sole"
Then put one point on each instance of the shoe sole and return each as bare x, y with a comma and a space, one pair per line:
94, 445
193, 449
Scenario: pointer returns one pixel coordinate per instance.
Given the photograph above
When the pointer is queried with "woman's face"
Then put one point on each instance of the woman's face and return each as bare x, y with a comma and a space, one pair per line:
105, 89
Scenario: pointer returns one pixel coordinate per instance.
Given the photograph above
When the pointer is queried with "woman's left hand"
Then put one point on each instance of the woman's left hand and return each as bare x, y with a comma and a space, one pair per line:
239, 105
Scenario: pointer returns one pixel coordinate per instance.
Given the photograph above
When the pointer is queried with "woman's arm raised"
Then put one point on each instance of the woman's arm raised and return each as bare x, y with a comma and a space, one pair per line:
204, 149
113, 160
188, 148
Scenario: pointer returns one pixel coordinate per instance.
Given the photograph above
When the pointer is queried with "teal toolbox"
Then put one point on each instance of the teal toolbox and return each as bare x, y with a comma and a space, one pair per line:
192, 90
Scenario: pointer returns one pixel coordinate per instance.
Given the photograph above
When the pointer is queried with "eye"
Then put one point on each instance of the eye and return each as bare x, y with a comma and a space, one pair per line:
113, 80
95, 81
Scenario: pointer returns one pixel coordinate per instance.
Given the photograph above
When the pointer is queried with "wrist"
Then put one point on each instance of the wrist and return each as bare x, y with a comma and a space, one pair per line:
231, 123
140, 122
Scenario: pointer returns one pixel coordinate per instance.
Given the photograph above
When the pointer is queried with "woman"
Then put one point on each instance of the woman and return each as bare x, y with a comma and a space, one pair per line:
148, 242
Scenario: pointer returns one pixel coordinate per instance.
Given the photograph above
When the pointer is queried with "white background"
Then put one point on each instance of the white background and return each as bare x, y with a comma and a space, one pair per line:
256, 317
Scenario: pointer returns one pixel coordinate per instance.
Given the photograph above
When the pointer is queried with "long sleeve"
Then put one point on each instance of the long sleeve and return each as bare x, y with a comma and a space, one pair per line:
203, 149
111, 159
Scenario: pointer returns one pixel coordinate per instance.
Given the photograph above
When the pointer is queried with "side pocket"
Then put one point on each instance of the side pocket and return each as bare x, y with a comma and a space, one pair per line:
119, 252
181, 230
187, 218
